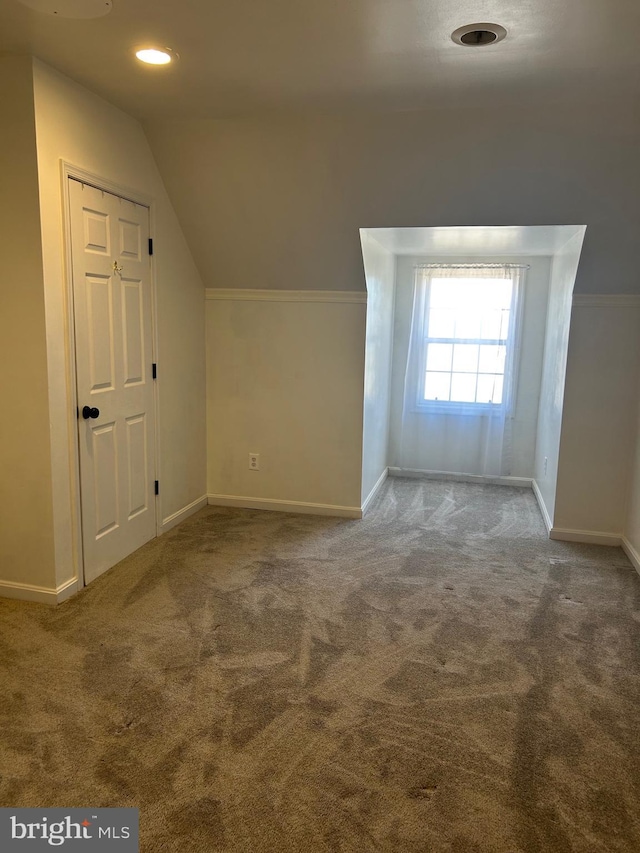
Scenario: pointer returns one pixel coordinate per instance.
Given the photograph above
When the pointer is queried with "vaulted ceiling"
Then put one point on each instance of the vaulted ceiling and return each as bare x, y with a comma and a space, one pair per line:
252, 56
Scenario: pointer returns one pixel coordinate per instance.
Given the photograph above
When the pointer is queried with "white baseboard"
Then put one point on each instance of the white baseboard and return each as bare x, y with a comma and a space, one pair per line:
631, 553
67, 589
182, 514
481, 479
588, 537
564, 534
374, 491
544, 512
39, 594
285, 506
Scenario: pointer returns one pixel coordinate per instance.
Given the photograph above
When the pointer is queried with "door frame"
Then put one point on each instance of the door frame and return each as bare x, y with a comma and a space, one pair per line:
69, 171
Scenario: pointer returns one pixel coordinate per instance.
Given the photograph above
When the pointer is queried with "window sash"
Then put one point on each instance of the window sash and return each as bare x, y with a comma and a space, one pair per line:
509, 342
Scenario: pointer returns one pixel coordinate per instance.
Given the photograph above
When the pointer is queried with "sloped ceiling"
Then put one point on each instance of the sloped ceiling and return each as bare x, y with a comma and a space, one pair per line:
278, 202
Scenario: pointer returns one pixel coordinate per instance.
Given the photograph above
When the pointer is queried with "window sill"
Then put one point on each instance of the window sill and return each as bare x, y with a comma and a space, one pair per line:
467, 409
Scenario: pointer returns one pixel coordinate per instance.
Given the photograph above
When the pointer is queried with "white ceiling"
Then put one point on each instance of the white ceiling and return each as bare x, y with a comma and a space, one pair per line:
478, 241
248, 56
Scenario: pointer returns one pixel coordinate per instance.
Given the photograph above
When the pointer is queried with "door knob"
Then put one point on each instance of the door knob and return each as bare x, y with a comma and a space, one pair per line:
90, 412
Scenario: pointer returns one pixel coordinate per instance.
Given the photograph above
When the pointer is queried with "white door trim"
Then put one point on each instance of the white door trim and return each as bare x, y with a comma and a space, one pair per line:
70, 171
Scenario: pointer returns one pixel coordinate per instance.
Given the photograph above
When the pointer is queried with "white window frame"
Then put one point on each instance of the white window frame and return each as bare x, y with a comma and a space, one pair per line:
512, 344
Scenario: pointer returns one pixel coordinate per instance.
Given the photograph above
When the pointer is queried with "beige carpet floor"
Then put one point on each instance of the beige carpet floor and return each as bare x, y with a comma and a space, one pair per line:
436, 677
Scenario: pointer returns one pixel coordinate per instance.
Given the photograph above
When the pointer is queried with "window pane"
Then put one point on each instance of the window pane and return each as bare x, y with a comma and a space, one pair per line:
439, 356
441, 323
464, 293
465, 358
504, 325
496, 293
497, 391
463, 387
436, 386
441, 295
489, 388
495, 324
471, 293
475, 310
467, 325
455, 293
492, 359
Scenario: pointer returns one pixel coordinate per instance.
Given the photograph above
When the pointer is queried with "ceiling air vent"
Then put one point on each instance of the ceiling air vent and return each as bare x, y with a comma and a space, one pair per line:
478, 35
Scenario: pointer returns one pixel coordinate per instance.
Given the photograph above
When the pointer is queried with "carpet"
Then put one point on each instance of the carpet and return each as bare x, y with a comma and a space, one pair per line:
436, 677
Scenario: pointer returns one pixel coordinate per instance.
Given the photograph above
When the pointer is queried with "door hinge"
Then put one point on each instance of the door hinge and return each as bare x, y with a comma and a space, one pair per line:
154, 371
157, 487
151, 245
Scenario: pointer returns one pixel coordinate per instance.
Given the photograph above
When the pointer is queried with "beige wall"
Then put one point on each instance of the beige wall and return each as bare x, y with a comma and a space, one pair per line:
597, 442
74, 125
26, 522
284, 379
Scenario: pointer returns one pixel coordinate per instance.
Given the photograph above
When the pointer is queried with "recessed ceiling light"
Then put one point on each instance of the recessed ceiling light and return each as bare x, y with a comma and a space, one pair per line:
155, 56
478, 35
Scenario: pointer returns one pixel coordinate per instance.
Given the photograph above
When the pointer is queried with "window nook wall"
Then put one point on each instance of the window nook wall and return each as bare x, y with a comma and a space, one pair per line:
379, 269
564, 267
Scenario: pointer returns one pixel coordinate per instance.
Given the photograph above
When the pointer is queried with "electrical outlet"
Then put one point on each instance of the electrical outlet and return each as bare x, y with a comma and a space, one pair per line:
254, 461
545, 464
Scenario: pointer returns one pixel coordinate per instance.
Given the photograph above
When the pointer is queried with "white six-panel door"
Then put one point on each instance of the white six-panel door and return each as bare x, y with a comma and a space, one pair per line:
113, 334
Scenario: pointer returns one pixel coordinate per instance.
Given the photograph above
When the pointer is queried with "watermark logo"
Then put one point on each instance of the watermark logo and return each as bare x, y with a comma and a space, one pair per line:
86, 830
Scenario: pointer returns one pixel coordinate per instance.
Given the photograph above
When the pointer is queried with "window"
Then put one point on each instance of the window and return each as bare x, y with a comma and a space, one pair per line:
467, 337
